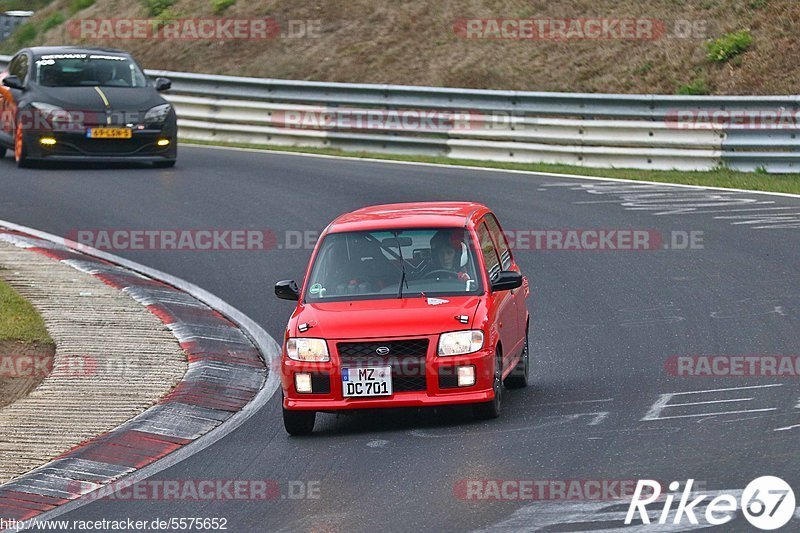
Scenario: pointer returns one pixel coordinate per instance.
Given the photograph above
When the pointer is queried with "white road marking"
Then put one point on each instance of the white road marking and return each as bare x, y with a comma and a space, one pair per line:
713, 414
663, 201
730, 389
709, 402
787, 428
663, 403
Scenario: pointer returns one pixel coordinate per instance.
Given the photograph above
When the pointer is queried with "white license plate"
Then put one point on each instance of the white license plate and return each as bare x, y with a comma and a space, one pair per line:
367, 381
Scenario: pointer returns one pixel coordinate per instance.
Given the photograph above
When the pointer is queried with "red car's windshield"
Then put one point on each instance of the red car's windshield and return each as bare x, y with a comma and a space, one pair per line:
367, 264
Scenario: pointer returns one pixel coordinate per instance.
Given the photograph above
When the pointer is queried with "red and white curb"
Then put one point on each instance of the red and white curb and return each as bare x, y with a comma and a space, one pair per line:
228, 380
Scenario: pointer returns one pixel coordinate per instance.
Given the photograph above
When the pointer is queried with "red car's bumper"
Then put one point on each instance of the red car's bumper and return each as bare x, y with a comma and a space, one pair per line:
436, 389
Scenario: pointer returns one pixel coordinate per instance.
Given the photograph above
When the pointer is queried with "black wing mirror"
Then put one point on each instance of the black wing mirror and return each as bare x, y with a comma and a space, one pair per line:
506, 281
14, 82
163, 84
287, 290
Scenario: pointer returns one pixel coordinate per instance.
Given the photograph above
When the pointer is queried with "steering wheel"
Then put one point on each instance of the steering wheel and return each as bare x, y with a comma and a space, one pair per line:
441, 272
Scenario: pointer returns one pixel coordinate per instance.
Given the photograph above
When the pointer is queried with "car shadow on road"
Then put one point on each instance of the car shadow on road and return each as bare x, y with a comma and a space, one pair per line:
87, 165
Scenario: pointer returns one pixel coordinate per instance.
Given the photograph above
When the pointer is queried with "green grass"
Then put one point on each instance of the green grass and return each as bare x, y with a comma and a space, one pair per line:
24, 35
19, 321
698, 86
723, 177
728, 46
156, 7
56, 19
219, 6
79, 5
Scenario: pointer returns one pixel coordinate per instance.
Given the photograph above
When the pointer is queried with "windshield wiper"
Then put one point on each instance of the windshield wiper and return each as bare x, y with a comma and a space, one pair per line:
402, 265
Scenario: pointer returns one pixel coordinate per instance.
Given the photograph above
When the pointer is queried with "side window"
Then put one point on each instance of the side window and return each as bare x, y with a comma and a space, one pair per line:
19, 67
23, 68
489, 252
500, 239
12, 67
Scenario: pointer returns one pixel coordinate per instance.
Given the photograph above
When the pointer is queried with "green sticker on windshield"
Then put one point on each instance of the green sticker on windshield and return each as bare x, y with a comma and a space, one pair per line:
315, 288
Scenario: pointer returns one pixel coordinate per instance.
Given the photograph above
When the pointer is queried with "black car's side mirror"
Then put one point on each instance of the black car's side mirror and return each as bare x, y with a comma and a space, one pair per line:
506, 281
14, 82
287, 290
163, 84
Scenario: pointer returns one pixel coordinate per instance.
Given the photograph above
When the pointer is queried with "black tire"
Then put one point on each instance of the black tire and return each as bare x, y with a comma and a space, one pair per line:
519, 377
167, 163
491, 409
299, 422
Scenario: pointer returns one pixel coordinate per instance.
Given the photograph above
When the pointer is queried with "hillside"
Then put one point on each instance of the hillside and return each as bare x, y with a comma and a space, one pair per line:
420, 42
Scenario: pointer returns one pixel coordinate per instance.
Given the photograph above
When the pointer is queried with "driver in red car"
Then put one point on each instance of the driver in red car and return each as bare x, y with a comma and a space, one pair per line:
447, 251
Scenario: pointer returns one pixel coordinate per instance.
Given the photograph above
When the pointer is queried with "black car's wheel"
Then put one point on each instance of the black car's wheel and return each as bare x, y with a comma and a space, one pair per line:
299, 422
491, 409
20, 150
167, 163
521, 374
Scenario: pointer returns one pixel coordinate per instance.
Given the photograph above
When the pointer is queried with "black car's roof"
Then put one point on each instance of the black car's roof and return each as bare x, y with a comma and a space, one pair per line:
47, 50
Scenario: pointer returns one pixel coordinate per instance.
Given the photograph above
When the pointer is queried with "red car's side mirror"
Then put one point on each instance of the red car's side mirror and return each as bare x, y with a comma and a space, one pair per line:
506, 281
287, 290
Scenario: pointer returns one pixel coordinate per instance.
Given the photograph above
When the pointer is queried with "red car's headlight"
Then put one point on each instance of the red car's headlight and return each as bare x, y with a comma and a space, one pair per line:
307, 350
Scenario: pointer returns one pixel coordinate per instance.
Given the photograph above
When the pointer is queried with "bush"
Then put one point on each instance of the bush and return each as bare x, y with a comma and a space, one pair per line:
698, 86
220, 6
729, 45
56, 19
79, 5
25, 34
157, 7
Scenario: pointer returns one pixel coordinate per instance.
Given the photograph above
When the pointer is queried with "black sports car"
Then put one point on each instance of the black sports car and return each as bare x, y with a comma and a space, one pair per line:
70, 103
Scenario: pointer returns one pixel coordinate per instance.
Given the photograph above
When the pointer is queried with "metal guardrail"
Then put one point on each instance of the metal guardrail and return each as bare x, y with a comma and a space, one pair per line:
593, 130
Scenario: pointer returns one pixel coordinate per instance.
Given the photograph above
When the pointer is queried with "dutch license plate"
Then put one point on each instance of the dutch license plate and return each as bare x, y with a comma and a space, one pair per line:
367, 381
109, 133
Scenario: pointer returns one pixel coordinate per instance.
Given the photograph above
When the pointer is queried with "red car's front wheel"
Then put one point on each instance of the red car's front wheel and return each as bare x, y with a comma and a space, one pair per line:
299, 422
491, 409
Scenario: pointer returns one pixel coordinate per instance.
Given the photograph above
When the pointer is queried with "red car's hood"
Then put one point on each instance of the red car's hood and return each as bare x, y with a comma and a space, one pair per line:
394, 317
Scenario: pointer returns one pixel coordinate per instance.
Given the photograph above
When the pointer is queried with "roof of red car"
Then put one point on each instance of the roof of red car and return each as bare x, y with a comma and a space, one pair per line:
410, 215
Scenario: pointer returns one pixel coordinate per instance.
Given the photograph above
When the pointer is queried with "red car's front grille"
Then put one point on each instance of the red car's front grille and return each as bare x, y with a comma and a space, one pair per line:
406, 357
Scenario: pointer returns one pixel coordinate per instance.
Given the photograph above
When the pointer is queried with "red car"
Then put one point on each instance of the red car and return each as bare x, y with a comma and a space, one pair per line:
405, 305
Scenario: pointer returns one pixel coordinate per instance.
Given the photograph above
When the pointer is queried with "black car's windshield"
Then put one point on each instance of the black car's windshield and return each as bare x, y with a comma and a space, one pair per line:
367, 264
88, 70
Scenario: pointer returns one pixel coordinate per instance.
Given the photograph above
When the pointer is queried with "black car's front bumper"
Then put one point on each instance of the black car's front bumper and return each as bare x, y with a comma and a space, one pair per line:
143, 146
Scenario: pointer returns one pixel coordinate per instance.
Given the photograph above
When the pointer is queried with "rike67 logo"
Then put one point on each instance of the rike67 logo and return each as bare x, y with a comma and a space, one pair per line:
767, 502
